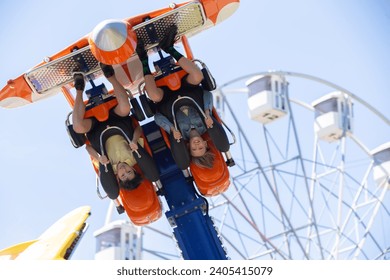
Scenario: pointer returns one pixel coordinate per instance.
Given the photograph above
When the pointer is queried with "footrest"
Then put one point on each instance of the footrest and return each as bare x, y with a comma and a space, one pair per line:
51, 76
188, 18
54, 74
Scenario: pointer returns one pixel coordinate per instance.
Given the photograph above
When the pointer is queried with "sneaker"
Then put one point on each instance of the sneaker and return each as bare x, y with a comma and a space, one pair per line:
108, 70
189, 179
140, 50
230, 162
169, 39
79, 81
120, 209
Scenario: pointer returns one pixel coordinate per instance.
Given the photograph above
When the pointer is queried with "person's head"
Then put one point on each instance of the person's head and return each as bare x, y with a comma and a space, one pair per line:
129, 179
200, 155
197, 145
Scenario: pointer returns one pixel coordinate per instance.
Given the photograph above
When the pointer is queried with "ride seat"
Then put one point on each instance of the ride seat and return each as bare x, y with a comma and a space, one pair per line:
142, 204
100, 111
99, 107
172, 80
77, 139
211, 181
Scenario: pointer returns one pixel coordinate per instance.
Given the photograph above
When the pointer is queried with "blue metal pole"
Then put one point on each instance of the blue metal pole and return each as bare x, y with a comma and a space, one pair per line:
188, 211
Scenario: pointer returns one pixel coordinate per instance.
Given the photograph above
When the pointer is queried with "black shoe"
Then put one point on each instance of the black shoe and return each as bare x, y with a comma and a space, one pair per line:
108, 70
79, 81
120, 209
230, 162
189, 179
140, 50
169, 39
161, 192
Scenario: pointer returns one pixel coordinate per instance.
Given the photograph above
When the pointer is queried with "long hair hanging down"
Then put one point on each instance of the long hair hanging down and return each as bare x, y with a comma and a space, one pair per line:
131, 184
205, 161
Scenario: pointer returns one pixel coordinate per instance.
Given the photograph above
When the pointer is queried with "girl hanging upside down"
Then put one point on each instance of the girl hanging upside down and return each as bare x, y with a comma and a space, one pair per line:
192, 109
109, 140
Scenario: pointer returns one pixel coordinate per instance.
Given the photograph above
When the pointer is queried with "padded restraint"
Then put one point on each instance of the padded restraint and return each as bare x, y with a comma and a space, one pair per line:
100, 109
173, 80
109, 181
77, 139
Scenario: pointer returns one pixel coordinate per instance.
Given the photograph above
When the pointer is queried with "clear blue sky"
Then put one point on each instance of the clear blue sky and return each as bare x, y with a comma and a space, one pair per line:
42, 177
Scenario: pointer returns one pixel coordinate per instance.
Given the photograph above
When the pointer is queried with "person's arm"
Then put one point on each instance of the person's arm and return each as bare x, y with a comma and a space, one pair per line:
208, 101
208, 107
136, 135
95, 155
165, 124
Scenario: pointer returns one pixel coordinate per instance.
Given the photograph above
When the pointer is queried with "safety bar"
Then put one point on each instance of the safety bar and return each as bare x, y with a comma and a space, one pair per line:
181, 98
98, 189
202, 113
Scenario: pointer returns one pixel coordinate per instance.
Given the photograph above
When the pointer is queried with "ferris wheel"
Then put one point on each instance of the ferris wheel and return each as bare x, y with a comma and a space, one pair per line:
306, 184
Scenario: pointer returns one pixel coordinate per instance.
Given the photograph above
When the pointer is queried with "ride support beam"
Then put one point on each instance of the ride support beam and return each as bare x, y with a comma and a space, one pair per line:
193, 228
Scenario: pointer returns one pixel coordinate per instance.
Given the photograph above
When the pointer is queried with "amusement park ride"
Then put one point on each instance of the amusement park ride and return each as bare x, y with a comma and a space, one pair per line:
113, 42
284, 199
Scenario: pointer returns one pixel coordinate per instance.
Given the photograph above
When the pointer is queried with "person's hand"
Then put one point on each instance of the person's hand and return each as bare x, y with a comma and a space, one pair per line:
133, 146
103, 160
209, 122
176, 134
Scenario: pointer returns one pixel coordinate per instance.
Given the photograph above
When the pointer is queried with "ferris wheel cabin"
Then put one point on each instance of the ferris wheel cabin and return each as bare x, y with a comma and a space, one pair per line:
267, 98
381, 169
333, 116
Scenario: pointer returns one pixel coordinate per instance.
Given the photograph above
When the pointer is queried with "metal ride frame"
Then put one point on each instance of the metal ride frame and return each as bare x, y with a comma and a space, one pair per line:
292, 195
188, 211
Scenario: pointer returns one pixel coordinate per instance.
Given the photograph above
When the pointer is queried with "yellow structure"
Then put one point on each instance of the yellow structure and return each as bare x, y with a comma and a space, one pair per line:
56, 243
